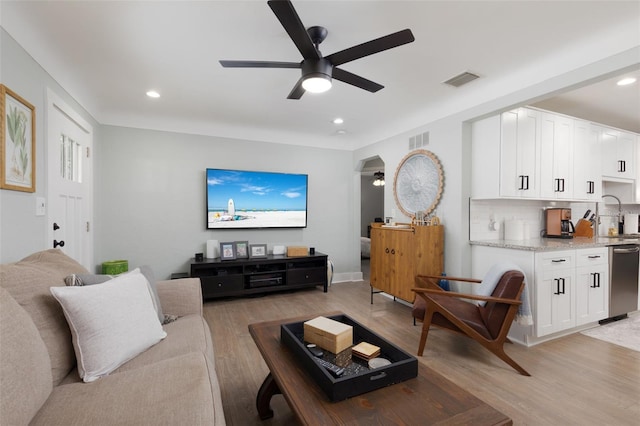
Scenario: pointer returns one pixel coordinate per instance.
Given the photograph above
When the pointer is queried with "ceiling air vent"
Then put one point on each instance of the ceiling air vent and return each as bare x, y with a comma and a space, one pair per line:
461, 79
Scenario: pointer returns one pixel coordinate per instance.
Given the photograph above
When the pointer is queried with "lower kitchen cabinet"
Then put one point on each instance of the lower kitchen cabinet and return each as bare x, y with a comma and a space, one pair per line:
567, 288
592, 285
555, 308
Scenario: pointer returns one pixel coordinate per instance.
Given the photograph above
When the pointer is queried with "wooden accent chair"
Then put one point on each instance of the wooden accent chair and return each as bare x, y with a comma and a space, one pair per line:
488, 324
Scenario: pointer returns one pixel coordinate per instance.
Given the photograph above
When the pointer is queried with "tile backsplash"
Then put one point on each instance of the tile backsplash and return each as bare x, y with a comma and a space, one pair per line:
482, 213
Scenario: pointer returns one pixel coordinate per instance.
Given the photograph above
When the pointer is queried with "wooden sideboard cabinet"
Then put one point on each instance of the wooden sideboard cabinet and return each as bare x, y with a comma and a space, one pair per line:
399, 254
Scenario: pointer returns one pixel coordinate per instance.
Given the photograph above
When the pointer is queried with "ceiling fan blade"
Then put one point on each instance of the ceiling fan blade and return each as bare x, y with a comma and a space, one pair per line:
259, 64
356, 80
369, 48
297, 91
288, 17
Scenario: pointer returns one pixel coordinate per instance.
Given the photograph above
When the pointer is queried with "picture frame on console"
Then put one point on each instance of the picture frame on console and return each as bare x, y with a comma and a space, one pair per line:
228, 251
242, 249
257, 251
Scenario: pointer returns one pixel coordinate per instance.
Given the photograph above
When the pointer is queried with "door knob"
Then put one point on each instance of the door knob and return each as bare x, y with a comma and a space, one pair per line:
55, 226
56, 243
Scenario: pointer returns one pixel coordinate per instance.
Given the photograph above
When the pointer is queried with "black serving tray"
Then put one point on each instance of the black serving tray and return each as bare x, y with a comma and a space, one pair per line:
358, 378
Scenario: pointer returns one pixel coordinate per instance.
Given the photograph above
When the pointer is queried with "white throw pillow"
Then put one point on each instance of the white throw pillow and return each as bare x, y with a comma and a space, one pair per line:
110, 323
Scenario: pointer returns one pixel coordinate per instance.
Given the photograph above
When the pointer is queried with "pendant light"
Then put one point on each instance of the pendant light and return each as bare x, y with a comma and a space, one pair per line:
378, 179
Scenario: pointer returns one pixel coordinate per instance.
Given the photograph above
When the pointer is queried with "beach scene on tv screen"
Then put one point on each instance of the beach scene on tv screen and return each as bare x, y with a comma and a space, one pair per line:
249, 199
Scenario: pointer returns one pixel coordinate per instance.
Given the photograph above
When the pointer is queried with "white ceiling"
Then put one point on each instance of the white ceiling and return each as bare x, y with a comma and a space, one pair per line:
107, 54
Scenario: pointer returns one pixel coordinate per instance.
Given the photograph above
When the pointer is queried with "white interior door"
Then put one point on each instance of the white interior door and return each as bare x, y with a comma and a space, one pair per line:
70, 181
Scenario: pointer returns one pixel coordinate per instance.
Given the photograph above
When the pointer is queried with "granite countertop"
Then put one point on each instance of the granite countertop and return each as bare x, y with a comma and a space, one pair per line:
550, 244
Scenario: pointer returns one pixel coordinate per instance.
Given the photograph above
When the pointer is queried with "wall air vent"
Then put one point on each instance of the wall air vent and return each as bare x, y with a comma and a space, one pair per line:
461, 79
418, 141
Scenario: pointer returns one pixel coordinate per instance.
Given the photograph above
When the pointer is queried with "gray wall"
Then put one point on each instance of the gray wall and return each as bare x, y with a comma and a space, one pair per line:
21, 231
450, 141
371, 204
446, 142
150, 197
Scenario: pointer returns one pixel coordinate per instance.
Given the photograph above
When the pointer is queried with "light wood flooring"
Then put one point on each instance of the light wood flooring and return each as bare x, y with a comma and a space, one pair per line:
576, 380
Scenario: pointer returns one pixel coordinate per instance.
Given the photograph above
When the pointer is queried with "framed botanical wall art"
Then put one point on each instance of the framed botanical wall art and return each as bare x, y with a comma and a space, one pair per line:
17, 142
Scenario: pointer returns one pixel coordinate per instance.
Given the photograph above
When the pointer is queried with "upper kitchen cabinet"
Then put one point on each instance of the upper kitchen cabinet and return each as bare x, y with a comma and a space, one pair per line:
530, 153
505, 154
587, 164
618, 153
556, 156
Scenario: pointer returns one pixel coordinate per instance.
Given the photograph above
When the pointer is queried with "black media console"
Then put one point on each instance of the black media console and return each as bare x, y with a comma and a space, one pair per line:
241, 277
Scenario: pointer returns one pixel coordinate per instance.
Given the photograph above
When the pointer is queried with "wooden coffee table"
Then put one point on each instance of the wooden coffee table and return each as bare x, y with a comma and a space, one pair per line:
427, 399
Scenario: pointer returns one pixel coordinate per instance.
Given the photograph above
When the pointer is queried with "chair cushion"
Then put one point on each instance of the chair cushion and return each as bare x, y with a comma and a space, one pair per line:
469, 313
493, 313
174, 391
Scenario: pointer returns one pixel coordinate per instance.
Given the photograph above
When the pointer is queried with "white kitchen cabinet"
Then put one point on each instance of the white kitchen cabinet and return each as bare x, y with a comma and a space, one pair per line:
587, 164
567, 288
505, 155
519, 146
533, 154
592, 285
556, 156
555, 300
618, 153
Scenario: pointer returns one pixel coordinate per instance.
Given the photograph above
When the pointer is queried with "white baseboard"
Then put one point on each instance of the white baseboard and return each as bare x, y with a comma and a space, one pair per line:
347, 277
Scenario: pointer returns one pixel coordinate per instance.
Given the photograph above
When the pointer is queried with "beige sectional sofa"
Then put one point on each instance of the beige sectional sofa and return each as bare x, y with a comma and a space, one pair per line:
172, 382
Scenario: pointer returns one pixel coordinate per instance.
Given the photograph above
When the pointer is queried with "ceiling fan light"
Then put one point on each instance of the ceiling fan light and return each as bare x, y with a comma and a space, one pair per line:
379, 179
317, 83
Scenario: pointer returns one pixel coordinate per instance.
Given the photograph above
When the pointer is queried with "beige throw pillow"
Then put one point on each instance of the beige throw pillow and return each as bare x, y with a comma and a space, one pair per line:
110, 323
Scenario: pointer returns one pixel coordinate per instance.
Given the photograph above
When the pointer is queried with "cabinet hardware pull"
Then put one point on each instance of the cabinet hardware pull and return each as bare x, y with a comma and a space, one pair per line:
598, 275
593, 280
590, 187
594, 257
526, 177
393, 251
386, 250
557, 280
558, 260
520, 182
562, 279
622, 166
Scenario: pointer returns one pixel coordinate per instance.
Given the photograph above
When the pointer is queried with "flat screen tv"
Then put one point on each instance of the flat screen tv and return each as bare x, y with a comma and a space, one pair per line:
251, 199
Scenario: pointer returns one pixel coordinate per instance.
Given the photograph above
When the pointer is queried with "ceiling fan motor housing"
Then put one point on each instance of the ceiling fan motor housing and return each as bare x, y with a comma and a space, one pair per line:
316, 68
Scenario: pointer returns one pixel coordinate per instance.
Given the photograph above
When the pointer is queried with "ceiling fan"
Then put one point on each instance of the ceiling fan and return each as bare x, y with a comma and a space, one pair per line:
318, 70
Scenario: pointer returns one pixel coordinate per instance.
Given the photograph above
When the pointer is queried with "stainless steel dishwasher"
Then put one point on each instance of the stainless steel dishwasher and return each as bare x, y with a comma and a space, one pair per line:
623, 279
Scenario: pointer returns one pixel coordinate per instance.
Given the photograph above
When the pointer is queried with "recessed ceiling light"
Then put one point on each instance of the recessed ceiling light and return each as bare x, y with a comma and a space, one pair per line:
626, 81
153, 94
338, 120
341, 132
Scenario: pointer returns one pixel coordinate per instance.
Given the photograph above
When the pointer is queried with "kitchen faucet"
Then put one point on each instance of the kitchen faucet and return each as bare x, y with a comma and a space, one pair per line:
597, 222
